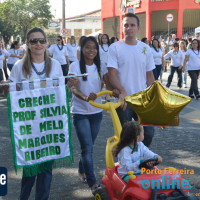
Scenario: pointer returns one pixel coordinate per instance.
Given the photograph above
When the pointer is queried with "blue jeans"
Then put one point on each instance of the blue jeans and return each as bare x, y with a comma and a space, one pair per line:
10, 66
194, 74
179, 72
157, 71
87, 128
128, 115
43, 184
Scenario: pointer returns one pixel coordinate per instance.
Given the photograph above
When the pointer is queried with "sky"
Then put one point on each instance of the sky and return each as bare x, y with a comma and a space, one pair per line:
73, 7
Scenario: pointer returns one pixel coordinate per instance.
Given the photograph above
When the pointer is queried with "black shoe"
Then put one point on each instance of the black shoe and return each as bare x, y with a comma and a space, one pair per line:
96, 189
197, 96
167, 85
191, 96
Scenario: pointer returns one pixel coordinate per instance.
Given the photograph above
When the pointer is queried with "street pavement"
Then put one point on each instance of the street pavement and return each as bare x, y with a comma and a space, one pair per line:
179, 147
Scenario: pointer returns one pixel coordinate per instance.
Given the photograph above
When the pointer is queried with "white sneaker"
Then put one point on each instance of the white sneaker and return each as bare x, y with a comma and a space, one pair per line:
184, 85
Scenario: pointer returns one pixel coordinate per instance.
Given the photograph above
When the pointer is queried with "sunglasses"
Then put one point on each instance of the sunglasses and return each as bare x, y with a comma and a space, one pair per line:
58, 40
36, 40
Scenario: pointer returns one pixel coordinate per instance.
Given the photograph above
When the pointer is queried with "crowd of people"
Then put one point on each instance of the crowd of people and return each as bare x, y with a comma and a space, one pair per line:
126, 67
176, 52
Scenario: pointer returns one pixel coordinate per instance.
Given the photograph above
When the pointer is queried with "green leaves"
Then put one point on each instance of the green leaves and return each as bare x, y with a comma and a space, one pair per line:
18, 16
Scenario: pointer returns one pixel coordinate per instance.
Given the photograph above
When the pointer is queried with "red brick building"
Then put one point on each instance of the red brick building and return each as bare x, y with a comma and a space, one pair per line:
152, 14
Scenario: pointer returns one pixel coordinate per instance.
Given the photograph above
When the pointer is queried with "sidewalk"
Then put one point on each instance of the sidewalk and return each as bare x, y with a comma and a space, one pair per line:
179, 147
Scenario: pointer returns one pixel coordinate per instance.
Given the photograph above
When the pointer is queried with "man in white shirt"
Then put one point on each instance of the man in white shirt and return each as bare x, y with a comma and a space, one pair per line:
130, 65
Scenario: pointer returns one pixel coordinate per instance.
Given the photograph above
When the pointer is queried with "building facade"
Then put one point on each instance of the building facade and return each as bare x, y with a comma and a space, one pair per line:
152, 15
84, 24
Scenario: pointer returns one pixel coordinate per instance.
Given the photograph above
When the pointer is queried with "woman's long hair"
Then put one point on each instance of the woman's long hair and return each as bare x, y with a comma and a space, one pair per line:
96, 59
129, 135
198, 47
159, 46
184, 45
27, 66
108, 40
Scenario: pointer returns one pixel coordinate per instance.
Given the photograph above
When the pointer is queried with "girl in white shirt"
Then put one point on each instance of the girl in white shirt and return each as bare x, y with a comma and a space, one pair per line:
15, 54
60, 53
103, 49
177, 59
130, 150
193, 58
86, 118
72, 49
103, 53
183, 49
158, 57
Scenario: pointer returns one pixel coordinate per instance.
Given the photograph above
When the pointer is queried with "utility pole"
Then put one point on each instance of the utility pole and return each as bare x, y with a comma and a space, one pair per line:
63, 14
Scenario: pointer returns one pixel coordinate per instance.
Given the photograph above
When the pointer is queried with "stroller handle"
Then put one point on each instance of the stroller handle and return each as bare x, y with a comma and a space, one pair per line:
105, 106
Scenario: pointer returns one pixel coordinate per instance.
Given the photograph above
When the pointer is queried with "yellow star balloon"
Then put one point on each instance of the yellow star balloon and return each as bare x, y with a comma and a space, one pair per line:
157, 105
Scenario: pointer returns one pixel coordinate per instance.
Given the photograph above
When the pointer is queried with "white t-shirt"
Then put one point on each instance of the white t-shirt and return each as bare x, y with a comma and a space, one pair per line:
129, 161
132, 63
79, 48
194, 59
157, 56
13, 60
3, 54
170, 43
93, 84
103, 53
72, 51
17, 75
177, 58
59, 52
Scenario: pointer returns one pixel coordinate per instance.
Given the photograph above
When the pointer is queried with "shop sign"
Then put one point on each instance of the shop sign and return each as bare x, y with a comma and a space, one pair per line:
159, 0
54, 24
127, 3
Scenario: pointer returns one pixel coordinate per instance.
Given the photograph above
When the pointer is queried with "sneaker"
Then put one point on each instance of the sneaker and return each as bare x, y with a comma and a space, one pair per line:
82, 179
96, 189
167, 85
185, 86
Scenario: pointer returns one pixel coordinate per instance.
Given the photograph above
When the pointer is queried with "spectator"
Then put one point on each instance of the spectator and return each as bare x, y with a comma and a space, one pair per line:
72, 49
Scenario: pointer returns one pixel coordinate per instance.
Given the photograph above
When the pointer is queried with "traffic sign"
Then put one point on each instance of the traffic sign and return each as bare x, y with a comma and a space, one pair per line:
169, 17
64, 31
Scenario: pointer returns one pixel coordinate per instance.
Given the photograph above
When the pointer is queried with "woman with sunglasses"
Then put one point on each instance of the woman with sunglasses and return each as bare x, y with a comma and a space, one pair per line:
87, 118
36, 64
60, 53
192, 56
72, 49
177, 59
15, 54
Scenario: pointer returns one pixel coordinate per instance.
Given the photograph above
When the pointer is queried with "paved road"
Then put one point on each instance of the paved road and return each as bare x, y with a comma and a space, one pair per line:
179, 147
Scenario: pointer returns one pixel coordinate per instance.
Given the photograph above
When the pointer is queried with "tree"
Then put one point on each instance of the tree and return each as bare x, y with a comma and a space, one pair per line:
25, 14
6, 31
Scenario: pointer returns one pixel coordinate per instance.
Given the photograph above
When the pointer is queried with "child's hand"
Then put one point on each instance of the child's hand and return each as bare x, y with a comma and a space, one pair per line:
159, 159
